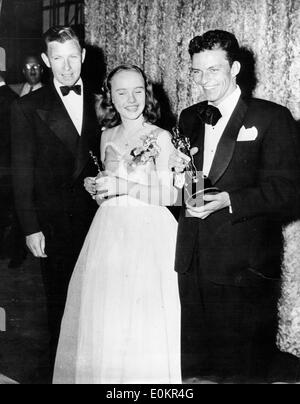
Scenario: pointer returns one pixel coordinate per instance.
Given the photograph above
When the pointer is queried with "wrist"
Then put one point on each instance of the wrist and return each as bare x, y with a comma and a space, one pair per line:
228, 200
228, 203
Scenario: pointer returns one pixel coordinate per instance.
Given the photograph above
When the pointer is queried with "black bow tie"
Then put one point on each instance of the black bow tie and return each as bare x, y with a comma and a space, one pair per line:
209, 114
65, 90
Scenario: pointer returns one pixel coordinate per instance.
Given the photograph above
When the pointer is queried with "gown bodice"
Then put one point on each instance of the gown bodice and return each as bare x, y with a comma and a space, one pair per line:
117, 162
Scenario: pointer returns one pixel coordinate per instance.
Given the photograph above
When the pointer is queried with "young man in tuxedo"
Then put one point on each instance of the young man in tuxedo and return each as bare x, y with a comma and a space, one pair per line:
53, 130
229, 250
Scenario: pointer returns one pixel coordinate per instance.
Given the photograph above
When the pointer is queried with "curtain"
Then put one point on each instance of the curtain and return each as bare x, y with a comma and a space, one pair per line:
155, 35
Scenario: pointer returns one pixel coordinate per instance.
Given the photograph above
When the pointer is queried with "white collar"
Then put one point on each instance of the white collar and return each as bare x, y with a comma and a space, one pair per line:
227, 106
2, 83
57, 85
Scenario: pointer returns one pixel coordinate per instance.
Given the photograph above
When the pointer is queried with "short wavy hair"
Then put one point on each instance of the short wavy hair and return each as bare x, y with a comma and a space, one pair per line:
60, 34
107, 114
217, 39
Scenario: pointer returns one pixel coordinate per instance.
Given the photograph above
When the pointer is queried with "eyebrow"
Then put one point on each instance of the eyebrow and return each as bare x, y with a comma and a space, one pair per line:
210, 67
135, 88
62, 55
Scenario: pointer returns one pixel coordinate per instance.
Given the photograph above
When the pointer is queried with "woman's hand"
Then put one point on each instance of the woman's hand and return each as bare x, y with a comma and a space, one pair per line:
107, 187
90, 186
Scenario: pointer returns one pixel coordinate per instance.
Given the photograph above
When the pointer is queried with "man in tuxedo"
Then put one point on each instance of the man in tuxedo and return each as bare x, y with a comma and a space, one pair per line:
7, 97
54, 129
229, 250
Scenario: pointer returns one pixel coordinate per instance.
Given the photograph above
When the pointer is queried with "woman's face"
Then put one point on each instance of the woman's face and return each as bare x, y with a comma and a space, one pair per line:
128, 94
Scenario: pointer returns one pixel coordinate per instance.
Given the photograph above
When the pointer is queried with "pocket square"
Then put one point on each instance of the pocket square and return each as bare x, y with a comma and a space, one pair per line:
247, 135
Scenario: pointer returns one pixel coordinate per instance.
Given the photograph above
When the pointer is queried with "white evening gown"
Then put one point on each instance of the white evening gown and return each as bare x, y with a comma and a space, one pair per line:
122, 319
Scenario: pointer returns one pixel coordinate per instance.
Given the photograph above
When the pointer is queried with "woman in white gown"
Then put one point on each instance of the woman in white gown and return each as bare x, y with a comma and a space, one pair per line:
122, 319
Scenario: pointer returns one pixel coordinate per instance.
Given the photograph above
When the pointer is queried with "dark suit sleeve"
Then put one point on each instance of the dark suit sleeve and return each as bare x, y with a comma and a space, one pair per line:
182, 120
278, 173
23, 163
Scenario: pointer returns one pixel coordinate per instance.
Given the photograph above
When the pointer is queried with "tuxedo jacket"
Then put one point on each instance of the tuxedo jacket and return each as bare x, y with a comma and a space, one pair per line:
7, 97
261, 176
50, 161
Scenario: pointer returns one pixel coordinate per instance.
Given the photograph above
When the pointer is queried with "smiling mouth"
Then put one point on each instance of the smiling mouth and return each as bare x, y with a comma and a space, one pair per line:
210, 88
132, 108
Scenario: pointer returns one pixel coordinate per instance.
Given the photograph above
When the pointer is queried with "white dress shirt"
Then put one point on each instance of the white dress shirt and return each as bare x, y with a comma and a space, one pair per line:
213, 134
27, 89
2, 83
73, 104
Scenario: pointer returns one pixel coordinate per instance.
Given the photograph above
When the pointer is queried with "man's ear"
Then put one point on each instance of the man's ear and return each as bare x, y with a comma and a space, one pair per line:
46, 60
235, 69
83, 54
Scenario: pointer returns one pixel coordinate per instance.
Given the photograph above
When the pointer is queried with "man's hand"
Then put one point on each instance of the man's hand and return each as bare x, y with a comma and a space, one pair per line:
179, 161
37, 244
216, 202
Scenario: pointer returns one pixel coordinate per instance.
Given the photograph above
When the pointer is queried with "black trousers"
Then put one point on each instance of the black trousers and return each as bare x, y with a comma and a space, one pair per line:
56, 273
228, 333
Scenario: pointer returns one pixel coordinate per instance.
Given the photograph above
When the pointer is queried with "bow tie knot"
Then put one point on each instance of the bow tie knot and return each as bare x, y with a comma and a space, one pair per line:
65, 90
210, 114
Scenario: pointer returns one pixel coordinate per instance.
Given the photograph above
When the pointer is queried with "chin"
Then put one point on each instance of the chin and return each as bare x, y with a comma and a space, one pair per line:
133, 117
69, 81
212, 97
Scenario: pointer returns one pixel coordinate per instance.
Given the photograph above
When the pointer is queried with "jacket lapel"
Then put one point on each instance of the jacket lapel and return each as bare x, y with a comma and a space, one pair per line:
198, 141
227, 143
88, 139
56, 117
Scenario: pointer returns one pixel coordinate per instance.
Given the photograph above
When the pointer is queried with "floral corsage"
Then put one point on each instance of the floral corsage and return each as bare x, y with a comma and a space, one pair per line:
149, 151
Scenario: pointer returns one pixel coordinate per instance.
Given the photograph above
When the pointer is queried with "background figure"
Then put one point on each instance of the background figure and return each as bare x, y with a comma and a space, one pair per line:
54, 129
7, 96
32, 71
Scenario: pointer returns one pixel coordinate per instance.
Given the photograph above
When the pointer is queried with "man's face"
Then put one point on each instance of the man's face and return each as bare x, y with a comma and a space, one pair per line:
32, 71
65, 60
212, 71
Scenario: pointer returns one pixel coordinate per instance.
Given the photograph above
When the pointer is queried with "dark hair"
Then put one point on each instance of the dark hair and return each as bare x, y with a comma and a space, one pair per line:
31, 56
216, 40
108, 115
60, 34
